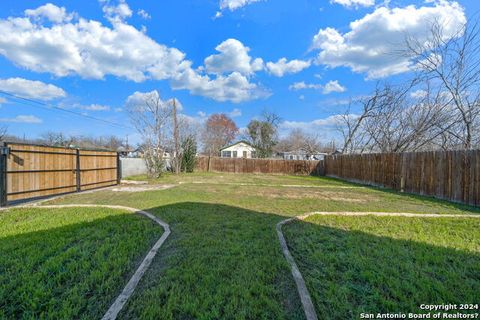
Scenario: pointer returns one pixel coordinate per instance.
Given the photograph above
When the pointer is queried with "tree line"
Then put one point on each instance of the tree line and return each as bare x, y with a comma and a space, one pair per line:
59, 139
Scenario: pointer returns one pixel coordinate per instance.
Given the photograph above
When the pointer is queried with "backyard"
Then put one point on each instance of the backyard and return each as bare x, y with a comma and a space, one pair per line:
223, 259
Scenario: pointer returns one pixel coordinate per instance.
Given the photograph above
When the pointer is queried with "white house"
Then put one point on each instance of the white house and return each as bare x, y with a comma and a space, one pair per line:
240, 149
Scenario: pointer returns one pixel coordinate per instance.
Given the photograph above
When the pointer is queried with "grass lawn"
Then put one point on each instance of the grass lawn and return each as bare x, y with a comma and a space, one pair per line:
386, 264
68, 263
223, 260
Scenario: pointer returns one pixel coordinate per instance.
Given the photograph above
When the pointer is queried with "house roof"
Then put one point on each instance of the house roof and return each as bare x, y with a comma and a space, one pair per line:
241, 141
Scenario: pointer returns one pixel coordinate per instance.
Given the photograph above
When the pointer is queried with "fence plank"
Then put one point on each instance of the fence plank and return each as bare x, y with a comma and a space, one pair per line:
38, 171
450, 175
265, 166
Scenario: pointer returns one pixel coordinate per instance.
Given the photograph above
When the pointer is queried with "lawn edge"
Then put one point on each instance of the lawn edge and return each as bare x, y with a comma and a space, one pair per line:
302, 289
129, 288
305, 298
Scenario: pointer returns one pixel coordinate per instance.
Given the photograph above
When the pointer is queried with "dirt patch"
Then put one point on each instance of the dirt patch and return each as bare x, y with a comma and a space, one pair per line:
335, 196
141, 188
297, 193
134, 182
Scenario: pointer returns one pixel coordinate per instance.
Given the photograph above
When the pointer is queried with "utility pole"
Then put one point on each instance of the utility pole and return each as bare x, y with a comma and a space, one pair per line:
176, 138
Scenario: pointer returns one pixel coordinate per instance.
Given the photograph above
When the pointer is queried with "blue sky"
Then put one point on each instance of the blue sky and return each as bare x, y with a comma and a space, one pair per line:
301, 59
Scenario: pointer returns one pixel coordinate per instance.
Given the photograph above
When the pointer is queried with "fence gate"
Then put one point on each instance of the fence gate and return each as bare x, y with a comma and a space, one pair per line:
31, 171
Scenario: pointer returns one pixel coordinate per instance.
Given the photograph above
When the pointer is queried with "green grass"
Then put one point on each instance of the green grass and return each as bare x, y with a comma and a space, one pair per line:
221, 262
222, 259
369, 264
221, 178
68, 263
269, 195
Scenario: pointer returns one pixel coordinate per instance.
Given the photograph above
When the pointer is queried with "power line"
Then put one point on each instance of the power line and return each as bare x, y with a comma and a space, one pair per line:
49, 107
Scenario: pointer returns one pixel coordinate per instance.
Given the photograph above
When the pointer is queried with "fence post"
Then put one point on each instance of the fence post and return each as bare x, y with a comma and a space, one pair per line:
79, 181
3, 175
119, 169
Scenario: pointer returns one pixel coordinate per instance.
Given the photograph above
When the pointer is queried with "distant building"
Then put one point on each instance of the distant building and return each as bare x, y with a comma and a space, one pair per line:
301, 155
130, 153
240, 149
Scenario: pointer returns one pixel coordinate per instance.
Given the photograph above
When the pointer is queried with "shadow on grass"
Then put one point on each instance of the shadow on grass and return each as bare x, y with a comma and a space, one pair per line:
349, 272
220, 262
424, 199
71, 272
224, 262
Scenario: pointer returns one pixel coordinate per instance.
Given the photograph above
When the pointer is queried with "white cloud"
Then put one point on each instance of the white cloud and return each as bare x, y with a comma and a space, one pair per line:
116, 13
282, 67
333, 86
22, 119
302, 85
233, 57
354, 3
329, 87
418, 94
50, 12
31, 89
234, 87
96, 107
235, 4
138, 99
118, 109
87, 48
235, 113
324, 128
91, 50
144, 14
370, 45
201, 114
330, 121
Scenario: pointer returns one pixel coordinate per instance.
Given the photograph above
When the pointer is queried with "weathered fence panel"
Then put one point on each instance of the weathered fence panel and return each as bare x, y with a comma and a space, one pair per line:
31, 171
269, 166
450, 175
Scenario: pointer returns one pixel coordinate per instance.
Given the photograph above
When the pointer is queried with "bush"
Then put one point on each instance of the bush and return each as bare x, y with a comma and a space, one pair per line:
189, 148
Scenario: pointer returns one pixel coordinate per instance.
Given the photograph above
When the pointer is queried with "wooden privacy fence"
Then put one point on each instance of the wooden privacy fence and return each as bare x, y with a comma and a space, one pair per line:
242, 165
450, 175
31, 171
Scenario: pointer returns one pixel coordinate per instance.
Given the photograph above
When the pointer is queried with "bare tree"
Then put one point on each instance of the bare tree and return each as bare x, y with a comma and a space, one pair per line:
395, 120
452, 62
299, 140
151, 118
53, 138
3, 132
350, 125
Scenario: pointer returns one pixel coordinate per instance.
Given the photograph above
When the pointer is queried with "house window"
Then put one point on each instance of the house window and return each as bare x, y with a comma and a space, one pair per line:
234, 154
244, 154
226, 154
291, 157
254, 154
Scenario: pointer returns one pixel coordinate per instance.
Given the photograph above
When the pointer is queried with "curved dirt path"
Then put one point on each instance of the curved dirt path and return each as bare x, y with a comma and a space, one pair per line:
305, 297
128, 290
